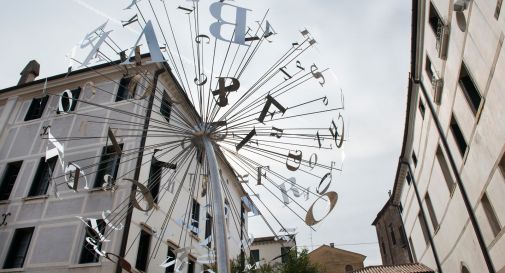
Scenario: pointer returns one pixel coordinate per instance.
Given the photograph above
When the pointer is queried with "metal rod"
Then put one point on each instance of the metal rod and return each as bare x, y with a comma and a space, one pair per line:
218, 207
459, 180
423, 213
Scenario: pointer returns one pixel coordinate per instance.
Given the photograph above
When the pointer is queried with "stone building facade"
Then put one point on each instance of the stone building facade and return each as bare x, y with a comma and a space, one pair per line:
393, 243
336, 260
41, 232
450, 178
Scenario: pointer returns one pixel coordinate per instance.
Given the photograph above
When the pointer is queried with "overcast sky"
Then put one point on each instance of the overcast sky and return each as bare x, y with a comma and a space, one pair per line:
366, 43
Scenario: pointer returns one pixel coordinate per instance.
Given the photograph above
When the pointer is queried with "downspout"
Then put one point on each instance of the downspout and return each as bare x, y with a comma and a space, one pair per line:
425, 222
466, 200
126, 230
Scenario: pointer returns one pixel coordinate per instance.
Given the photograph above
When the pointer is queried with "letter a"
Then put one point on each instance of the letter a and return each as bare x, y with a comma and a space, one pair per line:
152, 43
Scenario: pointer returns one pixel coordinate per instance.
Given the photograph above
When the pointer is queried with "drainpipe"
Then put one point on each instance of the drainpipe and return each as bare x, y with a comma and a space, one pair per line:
462, 189
425, 222
126, 230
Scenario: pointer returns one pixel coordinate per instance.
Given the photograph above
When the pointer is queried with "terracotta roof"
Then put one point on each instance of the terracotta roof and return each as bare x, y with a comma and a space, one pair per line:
406, 268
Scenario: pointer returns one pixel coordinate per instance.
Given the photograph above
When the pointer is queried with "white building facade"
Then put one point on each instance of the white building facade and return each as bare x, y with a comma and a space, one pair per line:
41, 232
450, 182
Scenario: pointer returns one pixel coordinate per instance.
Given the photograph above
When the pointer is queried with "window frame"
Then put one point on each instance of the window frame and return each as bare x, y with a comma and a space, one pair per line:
7, 183
36, 187
491, 216
10, 259
195, 217
108, 153
166, 106
253, 254
143, 250
76, 93
123, 90
431, 212
461, 142
470, 89
86, 252
30, 114
154, 182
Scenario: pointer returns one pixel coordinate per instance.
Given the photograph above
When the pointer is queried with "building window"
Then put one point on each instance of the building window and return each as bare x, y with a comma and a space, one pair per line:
383, 248
285, 254
409, 178
255, 255
412, 250
424, 228
501, 165
469, 88
143, 251
465, 270
171, 254
414, 159
88, 253
9, 179
195, 217
69, 105
498, 9
435, 21
125, 91
458, 136
109, 165
422, 109
445, 170
191, 266
36, 108
491, 215
348, 268
19, 247
428, 68
431, 211
403, 238
166, 106
43, 176
392, 233
155, 178
208, 229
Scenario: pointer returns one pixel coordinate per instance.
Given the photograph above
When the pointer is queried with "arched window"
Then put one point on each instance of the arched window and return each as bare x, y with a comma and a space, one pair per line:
348, 268
465, 270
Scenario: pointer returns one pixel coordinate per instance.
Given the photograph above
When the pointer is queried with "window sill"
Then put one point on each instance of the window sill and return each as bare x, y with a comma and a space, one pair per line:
38, 197
194, 236
85, 265
95, 189
21, 269
4, 202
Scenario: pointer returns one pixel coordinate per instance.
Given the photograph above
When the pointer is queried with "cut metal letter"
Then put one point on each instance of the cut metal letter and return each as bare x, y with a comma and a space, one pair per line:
294, 160
317, 74
269, 102
240, 23
146, 194
223, 90
246, 139
335, 134
309, 218
278, 132
115, 144
152, 43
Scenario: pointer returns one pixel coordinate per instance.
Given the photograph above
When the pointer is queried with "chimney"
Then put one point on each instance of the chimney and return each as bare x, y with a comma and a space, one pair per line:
332, 245
30, 72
